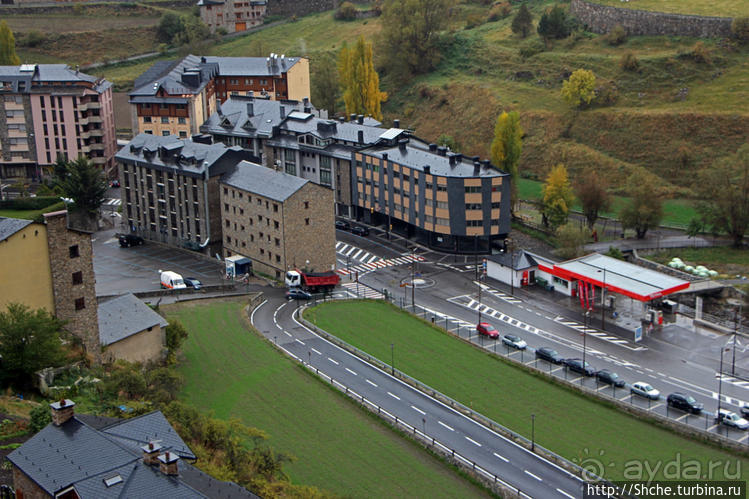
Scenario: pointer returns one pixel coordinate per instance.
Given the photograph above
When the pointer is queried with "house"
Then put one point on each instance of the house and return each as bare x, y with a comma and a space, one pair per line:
79, 456
514, 268
232, 16
50, 265
51, 110
130, 330
277, 220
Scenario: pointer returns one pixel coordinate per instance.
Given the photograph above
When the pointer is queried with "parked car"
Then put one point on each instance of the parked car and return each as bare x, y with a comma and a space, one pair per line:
127, 240
578, 366
115, 183
744, 411
684, 402
360, 230
192, 282
729, 418
644, 390
297, 294
486, 329
342, 225
549, 355
514, 341
611, 378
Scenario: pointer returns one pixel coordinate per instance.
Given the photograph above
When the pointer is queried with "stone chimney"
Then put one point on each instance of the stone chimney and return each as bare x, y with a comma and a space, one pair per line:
62, 411
151, 452
168, 463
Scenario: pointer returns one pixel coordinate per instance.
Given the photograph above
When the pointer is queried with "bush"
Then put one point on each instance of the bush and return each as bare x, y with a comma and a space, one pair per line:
346, 12
607, 94
33, 38
531, 48
499, 11
554, 24
474, 21
616, 36
36, 203
701, 54
740, 28
40, 417
629, 62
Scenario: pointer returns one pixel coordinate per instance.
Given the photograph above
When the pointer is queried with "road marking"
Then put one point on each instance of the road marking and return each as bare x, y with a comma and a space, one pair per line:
352, 372
534, 476
299, 341
443, 424
318, 353
371, 383
502, 458
418, 410
333, 361
396, 397
655, 406
628, 395
565, 494
288, 334
473, 441
682, 416
712, 427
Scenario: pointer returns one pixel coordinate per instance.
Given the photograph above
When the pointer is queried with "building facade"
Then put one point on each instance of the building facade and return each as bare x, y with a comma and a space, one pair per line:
176, 97
279, 221
130, 330
170, 189
51, 110
232, 16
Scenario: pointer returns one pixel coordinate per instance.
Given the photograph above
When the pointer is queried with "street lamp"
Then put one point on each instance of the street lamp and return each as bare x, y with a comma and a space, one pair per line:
413, 286
603, 301
392, 359
533, 433
585, 335
735, 332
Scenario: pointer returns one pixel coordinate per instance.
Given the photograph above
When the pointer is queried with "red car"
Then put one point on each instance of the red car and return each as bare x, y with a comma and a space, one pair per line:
487, 330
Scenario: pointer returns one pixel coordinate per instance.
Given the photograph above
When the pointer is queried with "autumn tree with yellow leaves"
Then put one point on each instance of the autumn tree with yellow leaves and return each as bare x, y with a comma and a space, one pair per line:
359, 80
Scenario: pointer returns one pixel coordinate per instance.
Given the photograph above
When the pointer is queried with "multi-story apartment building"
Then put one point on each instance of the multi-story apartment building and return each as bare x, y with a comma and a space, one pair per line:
176, 97
279, 221
441, 198
170, 189
232, 16
51, 110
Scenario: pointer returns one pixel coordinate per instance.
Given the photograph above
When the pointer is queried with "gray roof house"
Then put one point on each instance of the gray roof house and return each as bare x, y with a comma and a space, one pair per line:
262, 181
9, 226
129, 329
142, 457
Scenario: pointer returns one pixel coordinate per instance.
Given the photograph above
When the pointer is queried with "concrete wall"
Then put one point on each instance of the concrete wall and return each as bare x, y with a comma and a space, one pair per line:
297, 80
145, 346
25, 273
299, 7
602, 18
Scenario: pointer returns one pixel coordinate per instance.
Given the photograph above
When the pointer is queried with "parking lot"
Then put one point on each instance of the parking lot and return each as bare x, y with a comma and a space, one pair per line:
121, 270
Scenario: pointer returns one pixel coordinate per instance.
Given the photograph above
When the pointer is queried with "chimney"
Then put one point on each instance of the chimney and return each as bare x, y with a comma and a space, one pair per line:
432, 147
487, 163
458, 157
384, 156
168, 463
151, 452
250, 109
451, 159
427, 169
202, 60
305, 101
476, 167
396, 123
402, 144
360, 135
283, 112
442, 151
62, 411
360, 119
251, 94
352, 117
342, 119
475, 159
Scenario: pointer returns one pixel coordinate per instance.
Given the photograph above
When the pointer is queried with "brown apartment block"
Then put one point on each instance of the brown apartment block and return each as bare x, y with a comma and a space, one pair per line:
279, 221
232, 15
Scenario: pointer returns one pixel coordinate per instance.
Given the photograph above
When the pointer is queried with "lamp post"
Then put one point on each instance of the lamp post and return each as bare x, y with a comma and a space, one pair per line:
392, 359
585, 335
603, 301
479, 309
533, 433
413, 287
720, 381
735, 332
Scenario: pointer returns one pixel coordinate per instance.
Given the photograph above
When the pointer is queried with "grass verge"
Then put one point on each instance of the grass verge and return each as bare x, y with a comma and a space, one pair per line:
725, 260
339, 447
572, 425
32, 214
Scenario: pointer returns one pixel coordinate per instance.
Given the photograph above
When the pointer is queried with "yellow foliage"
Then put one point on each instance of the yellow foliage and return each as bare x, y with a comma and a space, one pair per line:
359, 80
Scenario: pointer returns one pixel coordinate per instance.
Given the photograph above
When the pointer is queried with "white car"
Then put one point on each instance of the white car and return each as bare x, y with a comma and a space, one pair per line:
514, 341
645, 390
729, 418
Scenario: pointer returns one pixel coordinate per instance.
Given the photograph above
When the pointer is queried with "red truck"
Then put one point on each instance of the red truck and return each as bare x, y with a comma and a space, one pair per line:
314, 282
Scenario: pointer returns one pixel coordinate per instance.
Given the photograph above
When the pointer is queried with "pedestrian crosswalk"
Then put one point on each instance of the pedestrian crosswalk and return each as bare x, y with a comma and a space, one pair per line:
501, 295
356, 254
367, 261
590, 331
362, 291
112, 202
733, 381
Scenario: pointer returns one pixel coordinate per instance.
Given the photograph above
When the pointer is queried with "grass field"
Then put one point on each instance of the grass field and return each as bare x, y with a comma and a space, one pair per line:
31, 214
231, 371
571, 425
725, 260
718, 8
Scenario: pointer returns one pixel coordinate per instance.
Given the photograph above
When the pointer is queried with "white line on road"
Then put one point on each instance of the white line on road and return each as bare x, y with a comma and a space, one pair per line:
443, 424
534, 476
565, 494
473, 441
352, 372
396, 397
318, 353
501, 457
371, 383
299, 341
418, 410
333, 361
287, 333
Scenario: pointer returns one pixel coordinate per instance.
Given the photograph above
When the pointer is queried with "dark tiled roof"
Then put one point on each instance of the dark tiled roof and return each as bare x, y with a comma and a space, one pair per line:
215, 489
135, 432
9, 226
125, 316
251, 66
520, 260
169, 76
262, 181
96, 422
234, 119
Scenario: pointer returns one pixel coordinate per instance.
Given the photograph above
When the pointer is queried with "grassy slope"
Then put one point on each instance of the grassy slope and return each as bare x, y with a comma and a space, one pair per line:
720, 8
567, 423
233, 372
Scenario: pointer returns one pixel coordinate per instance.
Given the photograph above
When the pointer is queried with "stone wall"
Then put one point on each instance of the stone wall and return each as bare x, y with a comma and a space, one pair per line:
25, 487
602, 18
298, 8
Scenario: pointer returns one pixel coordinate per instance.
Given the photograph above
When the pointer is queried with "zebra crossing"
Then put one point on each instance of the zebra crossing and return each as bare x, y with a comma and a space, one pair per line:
734, 381
591, 331
362, 291
368, 261
354, 253
501, 295
112, 202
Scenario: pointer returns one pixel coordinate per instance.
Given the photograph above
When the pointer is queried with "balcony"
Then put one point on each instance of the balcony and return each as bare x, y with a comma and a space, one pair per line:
88, 106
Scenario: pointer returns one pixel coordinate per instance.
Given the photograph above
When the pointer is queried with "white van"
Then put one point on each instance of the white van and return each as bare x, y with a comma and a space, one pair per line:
171, 280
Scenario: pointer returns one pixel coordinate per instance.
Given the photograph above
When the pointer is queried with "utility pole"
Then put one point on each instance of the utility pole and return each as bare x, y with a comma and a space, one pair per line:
413, 270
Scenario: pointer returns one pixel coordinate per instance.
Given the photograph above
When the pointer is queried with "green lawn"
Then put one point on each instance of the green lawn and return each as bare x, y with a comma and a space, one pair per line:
725, 260
572, 425
719, 8
339, 447
32, 214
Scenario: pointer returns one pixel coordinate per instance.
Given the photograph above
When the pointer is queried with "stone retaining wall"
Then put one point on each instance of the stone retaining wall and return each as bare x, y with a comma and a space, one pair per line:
299, 7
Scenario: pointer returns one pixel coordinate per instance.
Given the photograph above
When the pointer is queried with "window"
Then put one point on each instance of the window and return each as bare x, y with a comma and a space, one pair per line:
559, 281
275, 224
80, 303
278, 258
182, 134
164, 120
306, 205
472, 189
443, 221
306, 221
473, 206
474, 223
442, 188
278, 241
165, 133
146, 119
275, 208
226, 206
78, 277
182, 121
74, 251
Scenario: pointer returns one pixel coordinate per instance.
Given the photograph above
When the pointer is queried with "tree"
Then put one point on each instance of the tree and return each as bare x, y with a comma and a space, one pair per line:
8, 55
571, 239
554, 24
740, 28
346, 12
725, 189
29, 341
169, 27
557, 197
409, 35
325, 86
645, 207
85, 185
359, 80
176, 334
507, 147
592, 191
522, 22
448, 141
579, 89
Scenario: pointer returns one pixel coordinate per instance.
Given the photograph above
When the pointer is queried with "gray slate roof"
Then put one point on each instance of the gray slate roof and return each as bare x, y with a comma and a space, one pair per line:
125, 316
134, 432
262, 181
9, 226
234, 119
52, 73
251, 66
520, 260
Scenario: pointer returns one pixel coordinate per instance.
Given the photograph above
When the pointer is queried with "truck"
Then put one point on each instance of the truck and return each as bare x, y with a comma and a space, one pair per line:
314, 282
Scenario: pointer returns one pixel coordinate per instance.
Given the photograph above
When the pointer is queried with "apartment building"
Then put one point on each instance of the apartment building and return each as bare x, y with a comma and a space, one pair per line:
170, 189
51, 110
279, 221
443, 199
232, 16
176, 97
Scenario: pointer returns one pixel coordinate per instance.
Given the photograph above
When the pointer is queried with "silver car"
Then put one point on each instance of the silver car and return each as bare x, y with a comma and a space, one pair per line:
729, 418
514, 341
644, 390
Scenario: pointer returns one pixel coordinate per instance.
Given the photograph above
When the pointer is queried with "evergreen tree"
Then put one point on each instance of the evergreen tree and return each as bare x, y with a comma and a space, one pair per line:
359, 80
554, 24
85, 184
522, 22
8, 55
507, 147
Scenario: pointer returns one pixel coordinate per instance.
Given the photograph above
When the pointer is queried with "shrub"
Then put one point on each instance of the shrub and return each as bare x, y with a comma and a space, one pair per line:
531, 48
33, 38
36, 203
616, 36
554, 24
607, 94
701, 54
499, 11
346, 12
474, 20
629, 62
740, 28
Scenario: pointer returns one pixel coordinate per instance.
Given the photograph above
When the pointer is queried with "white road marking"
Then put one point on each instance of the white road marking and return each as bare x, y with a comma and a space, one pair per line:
448, 427
318, 353
501, 457
534, 476
352, 372
473, 441
396, 397
287, 334
418, 410
299, 341
333, 361
565, 494
371, 383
